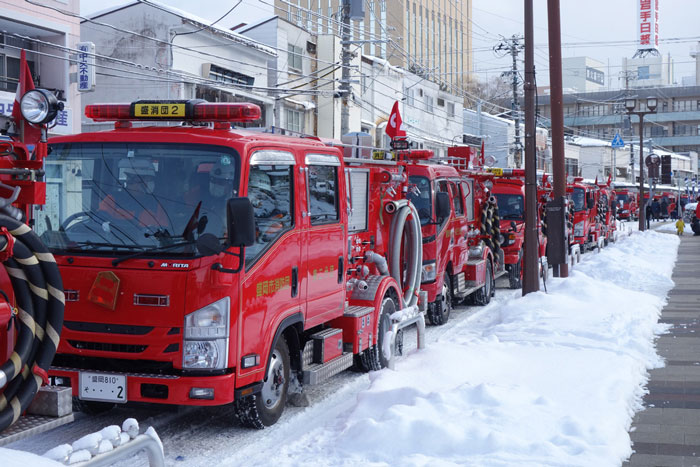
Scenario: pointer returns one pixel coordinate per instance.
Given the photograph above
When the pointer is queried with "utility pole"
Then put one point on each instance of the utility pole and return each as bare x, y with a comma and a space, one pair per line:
513, 47
346, 56
557, 241
531, 280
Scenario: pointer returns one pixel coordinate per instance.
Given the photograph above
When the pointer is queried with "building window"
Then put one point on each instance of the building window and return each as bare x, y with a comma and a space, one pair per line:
294, 55
441, 102
643, 72
294, 120
429, 104
222, 75
411, 97
450, 109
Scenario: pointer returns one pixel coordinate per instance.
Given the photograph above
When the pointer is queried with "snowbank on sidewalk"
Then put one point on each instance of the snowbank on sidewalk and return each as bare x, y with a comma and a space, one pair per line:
547, 379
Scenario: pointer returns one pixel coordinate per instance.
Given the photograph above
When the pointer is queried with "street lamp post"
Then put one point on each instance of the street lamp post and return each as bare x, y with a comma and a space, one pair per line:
630, 105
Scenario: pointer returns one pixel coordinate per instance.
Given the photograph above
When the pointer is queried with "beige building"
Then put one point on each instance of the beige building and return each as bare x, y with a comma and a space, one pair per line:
431, 38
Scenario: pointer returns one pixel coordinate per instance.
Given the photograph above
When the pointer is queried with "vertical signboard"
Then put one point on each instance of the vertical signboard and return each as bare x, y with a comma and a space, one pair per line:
86, 66
648, 24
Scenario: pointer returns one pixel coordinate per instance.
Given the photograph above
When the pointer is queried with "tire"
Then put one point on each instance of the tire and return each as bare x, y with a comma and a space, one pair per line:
515, 276
372, 359
440, 312
92, 407
265, 408
483, 295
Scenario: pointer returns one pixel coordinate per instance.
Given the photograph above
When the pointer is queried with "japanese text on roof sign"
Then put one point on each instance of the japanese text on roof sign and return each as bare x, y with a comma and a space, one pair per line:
648, 23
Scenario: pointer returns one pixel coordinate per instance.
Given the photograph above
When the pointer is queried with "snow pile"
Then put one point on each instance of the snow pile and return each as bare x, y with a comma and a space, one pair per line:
547, 379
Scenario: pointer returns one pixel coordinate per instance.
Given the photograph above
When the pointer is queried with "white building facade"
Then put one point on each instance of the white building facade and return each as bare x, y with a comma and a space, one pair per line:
49, 40
159, 52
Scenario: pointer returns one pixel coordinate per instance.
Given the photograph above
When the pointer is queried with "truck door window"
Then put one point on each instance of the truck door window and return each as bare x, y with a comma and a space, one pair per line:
442, 185
322, 186
467, 189
457, 202
270, 190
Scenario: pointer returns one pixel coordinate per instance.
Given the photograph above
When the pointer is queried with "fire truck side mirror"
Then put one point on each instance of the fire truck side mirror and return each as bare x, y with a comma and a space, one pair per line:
240, 219
442, 205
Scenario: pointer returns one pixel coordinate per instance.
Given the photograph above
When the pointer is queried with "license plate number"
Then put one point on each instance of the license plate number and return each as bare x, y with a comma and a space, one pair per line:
102, 387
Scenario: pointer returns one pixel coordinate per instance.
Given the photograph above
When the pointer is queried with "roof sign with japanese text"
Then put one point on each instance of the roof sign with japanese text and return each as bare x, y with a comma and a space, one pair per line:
86, 66
648, 24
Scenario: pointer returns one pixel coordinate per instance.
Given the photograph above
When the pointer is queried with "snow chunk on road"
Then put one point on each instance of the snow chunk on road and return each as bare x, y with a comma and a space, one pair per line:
547, 379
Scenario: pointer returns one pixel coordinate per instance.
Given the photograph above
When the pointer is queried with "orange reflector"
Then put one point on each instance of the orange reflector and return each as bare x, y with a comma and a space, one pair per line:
104, 290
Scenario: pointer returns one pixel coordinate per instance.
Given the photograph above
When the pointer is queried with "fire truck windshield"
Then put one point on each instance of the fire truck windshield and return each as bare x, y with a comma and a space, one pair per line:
622, 198
420, 197
579, 199
510, 207
118, 198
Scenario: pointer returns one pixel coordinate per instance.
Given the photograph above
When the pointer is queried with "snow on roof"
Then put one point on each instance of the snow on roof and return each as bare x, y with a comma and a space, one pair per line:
385, 63
198, 21
587, 142
254, 25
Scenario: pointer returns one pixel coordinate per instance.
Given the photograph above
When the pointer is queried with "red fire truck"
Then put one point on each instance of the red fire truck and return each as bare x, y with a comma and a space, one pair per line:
627, 201
209, 266
457, 263
584, 199
509, 190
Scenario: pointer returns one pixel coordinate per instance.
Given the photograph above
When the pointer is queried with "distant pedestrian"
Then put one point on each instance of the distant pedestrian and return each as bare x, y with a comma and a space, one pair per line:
656, 209
647, 214
673, 209
663, 211
680, 227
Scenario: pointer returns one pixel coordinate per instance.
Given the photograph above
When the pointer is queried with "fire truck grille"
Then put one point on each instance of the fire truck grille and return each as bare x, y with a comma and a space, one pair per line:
108, 328
149, 367
107, 347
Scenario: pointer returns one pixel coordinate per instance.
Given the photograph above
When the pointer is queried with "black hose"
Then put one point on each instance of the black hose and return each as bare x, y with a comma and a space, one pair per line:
39, 298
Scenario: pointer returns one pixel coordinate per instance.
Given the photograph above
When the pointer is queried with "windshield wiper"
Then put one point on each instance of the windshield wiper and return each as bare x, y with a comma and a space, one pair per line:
94, 245
145, 251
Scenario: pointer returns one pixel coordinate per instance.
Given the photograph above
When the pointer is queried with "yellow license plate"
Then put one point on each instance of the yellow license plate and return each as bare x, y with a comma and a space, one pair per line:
159, 110
496, 171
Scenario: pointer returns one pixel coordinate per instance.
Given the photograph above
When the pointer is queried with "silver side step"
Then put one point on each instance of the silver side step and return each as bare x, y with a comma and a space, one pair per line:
316, 373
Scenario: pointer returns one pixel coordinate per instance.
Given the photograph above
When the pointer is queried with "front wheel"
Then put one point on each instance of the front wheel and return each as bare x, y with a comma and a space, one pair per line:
515, 275
440, 312
373, 358
483, 295
264, 409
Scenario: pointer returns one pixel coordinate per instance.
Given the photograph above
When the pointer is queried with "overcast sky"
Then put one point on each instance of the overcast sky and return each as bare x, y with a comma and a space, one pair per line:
609, 21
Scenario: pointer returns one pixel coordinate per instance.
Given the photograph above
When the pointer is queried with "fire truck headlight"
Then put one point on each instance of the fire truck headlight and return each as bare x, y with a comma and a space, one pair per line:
578, 229
429, 272
206, 336
203, 354
39, 106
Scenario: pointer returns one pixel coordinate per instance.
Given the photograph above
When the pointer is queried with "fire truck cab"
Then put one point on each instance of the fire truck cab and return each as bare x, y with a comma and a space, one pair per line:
208, 266
586, 223
627, 203
453, 267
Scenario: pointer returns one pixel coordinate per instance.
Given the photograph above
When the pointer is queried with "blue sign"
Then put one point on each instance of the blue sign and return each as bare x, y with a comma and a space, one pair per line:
617, 141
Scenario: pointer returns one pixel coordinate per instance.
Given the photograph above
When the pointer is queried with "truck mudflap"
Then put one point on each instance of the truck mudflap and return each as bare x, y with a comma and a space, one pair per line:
163, 389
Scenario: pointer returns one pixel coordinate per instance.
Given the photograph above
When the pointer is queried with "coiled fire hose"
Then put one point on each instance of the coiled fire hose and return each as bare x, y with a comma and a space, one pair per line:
38, 291
490, 225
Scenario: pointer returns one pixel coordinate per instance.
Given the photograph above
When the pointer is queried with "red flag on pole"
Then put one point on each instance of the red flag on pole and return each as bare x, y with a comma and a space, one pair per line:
28, 134
394, 125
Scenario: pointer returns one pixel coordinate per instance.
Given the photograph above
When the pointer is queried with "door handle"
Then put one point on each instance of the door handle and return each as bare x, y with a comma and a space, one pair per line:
295, 281
341, 272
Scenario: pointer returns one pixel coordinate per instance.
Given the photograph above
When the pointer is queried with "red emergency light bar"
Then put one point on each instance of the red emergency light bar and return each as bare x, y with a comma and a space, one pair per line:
420, 154
461, 152
192, 110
